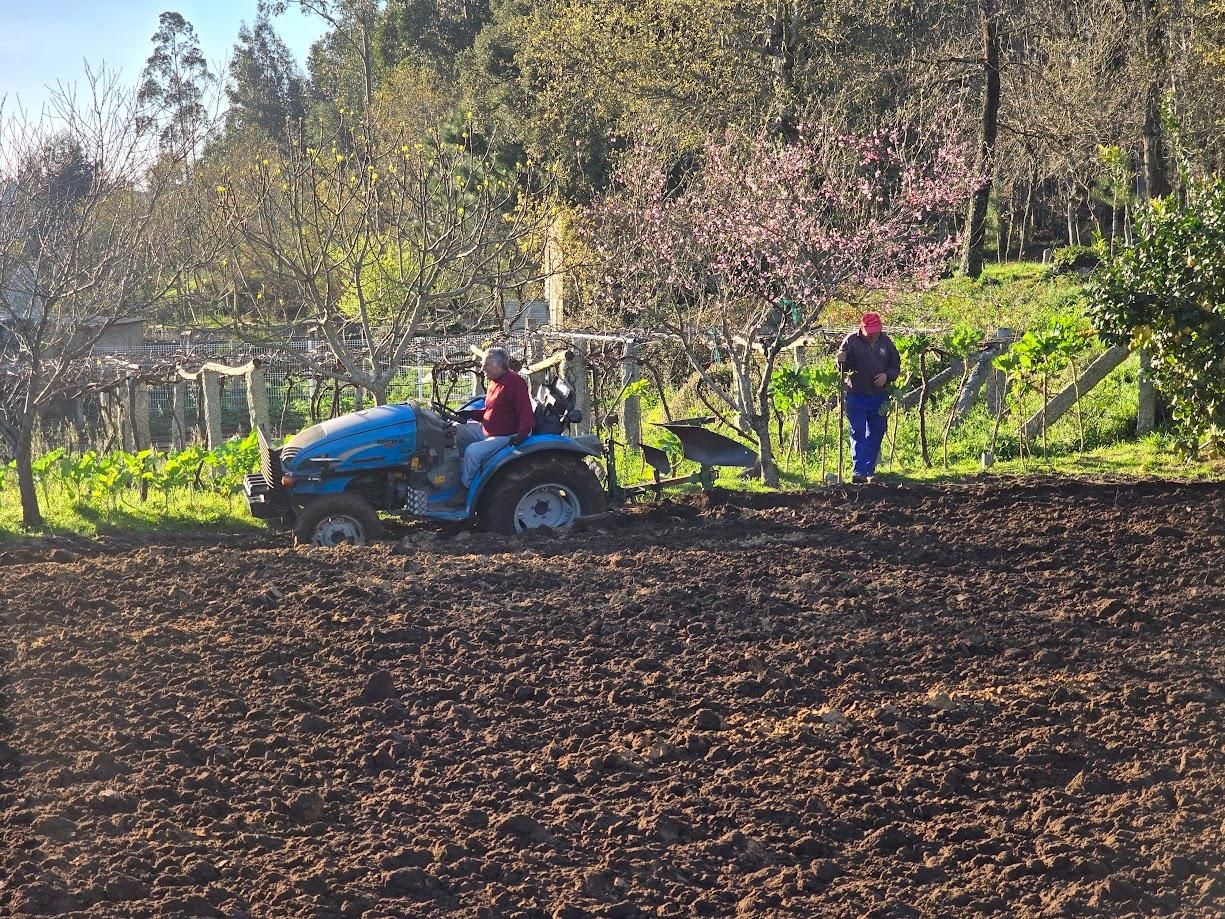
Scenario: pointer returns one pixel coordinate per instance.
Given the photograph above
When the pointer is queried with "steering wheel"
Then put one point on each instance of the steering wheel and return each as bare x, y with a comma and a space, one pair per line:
446, 413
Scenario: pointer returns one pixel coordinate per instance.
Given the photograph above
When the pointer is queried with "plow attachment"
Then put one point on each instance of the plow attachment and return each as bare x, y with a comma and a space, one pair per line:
706, 448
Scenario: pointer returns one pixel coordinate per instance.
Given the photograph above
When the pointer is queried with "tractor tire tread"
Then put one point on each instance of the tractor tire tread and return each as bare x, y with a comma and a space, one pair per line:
495, 510
343, 504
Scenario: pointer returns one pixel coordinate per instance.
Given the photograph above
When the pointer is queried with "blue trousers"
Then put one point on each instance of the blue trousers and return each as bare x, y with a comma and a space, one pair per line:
867, 431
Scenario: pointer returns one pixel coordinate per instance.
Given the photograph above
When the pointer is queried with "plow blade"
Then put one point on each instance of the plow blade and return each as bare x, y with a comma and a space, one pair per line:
656, 459
710, 449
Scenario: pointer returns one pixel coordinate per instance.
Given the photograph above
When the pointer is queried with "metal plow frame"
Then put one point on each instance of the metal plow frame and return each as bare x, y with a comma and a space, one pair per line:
705, 447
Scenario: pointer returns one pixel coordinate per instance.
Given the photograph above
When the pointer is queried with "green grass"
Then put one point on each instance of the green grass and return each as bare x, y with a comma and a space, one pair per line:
185, 511
1013, 295
1152, 457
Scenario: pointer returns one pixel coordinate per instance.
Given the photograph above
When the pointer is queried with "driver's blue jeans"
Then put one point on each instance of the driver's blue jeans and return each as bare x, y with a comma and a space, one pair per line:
476, 448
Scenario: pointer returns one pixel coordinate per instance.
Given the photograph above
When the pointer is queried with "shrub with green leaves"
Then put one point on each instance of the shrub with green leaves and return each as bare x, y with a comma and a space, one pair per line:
106, 478
1167, 294
1070, 258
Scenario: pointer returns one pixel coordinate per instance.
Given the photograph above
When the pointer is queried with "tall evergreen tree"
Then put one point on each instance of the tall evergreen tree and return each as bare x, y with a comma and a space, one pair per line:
266, 89
173, 85
433, 32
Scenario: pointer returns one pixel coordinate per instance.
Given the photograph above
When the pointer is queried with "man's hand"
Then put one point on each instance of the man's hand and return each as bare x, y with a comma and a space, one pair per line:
880, 380
516, 439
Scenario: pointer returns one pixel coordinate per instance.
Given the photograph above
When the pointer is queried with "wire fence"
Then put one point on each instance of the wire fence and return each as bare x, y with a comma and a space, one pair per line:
298, 393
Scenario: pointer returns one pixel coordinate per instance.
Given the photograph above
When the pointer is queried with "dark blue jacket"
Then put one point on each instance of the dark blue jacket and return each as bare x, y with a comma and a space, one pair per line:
865, 361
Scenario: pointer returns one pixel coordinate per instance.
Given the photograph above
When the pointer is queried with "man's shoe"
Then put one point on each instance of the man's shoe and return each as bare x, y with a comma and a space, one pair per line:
859, 480
457, 500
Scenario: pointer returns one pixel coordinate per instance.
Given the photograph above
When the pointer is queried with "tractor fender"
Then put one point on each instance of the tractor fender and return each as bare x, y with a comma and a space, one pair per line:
536, 444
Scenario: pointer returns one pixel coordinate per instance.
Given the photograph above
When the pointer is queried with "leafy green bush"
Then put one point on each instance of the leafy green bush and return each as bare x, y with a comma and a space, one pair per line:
1070, 258
1167, 294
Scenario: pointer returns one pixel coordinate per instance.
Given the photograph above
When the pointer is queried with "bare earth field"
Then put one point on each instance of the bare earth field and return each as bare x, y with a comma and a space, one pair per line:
995, 699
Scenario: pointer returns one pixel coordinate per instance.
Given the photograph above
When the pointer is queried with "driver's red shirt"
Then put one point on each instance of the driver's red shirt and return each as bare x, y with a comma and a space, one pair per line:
508, 407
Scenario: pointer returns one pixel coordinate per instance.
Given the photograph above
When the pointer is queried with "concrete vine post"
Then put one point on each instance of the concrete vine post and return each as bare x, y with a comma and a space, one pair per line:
178, 414
576, 373
1146, 410
138, 402
631, 411
210, 383
257, 399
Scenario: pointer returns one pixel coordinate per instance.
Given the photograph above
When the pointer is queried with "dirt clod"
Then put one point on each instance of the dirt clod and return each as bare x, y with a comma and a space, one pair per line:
379, 687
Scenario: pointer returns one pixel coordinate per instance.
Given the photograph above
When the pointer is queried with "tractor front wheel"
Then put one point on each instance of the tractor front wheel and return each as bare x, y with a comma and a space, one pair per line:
337, 520
547, 490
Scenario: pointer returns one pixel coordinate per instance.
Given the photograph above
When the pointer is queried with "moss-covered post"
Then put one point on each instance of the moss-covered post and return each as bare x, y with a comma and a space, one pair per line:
1146, 410
178, 414
210, 385
631, 410
115, 409
138, 403
257, 399
576, 372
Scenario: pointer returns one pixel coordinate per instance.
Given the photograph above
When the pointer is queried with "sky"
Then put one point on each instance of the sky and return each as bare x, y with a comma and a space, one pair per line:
45, 41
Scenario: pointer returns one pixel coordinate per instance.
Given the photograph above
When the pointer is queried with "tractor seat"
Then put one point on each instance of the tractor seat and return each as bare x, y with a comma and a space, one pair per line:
555, 407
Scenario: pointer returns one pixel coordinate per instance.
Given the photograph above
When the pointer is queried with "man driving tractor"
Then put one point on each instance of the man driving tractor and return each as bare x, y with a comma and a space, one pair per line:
507, 419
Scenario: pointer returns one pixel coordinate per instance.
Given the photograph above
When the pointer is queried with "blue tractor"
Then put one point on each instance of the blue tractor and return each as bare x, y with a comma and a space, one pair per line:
330, 483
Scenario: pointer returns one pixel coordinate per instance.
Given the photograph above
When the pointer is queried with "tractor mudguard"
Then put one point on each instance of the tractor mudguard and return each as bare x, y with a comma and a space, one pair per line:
537, 443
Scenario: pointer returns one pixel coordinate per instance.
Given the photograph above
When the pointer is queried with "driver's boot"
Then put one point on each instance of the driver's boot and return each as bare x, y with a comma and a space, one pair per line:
457, 500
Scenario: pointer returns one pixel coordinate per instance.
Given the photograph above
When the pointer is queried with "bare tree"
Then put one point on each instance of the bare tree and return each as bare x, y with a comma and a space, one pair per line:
90, 232
368, 245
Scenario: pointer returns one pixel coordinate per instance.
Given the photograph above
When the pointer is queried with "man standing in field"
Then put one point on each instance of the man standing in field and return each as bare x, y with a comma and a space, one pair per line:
869, 362
507, 419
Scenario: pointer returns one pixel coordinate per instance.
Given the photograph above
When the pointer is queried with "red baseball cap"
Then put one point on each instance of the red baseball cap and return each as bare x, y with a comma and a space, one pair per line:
871, 322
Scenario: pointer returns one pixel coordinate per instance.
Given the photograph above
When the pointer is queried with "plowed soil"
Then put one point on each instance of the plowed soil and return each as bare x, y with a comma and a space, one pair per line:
996, 699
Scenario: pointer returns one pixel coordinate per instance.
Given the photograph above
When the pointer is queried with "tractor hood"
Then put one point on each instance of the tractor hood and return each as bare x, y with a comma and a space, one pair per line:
385, 434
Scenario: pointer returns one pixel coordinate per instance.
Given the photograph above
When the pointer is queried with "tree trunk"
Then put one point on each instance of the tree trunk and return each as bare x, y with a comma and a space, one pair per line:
1029, 202
1156, 180
999, 416
783, 42
761, 417
769, 470
984, 163
927, 462
1046, 401
952, 416
31, 516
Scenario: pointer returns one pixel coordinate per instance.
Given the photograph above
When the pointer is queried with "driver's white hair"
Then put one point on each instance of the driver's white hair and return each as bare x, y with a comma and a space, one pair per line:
500, 355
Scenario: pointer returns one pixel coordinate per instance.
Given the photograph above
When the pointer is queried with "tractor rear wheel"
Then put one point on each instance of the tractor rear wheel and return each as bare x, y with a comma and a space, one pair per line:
338, 520
548, 490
